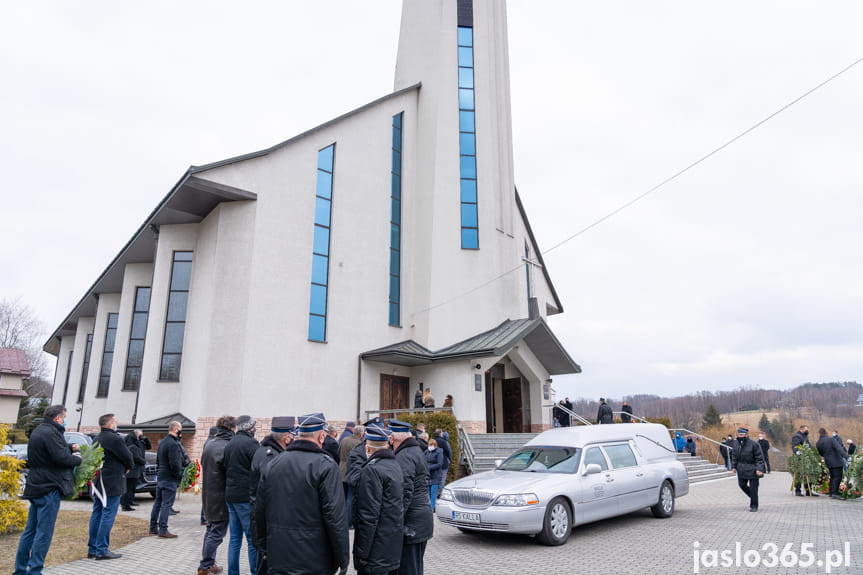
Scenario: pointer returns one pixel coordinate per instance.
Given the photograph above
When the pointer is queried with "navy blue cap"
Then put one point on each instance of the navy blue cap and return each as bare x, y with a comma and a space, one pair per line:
284, 424
397, 426
742, 431
375, 421
376, 432
312, 422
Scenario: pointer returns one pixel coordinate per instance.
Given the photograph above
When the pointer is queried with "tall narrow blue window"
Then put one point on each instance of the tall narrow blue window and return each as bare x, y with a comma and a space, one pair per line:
68, 371
107, 355
396, 223
467, 140
135, 357
527, 271
321, 245
85, 368
175, 320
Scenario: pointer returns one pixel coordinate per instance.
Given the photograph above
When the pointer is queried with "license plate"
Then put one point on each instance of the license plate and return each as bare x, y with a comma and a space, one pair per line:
467, 517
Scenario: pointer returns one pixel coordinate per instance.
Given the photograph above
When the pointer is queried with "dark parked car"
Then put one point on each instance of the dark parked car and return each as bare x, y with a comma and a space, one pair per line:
147, 481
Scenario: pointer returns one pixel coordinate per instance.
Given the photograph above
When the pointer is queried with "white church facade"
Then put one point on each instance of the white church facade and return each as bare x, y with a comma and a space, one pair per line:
340, 270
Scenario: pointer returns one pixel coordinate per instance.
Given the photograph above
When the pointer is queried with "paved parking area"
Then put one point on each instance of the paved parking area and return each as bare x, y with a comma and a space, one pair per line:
714, 516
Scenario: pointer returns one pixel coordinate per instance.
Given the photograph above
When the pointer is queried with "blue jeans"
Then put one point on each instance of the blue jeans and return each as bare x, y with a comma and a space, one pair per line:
166, 491
238, 516
101, 522
433, 494
36, 539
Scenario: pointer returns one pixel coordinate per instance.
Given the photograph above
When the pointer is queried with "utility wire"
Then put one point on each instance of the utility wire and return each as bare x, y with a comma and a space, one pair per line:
654, 188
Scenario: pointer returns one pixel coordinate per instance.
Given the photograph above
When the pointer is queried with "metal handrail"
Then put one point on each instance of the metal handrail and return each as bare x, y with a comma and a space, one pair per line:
409, 410
702, 437
465, 449
571, 413
641, 419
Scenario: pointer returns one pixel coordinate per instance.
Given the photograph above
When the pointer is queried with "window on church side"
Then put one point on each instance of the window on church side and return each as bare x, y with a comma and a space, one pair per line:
135, 357
107, 355
68, 371
85, 368
321, 245
175, 320
395, 223
467, 140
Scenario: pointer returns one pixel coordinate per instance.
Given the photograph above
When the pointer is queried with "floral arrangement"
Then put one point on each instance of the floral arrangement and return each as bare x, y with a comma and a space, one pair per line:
92, 457
852, 482
189, 482
807, 467
13, 513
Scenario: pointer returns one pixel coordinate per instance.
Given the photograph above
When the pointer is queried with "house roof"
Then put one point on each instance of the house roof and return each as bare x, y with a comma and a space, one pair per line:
14, 362
191, 199
494, 342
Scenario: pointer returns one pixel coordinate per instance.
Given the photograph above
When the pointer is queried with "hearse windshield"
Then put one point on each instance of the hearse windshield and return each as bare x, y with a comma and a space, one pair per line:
543, 460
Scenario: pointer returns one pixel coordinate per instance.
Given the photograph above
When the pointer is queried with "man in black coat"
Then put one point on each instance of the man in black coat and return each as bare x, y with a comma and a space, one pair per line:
604, 415
765, 450
281, 434
833, 459
139, 460
170, 459
50, 460
303, 528
748, 463
801, 438
108, 486
626, 415
566, 416
213, 493
357, 456
379, 509
238, 467
331, 444
419, 519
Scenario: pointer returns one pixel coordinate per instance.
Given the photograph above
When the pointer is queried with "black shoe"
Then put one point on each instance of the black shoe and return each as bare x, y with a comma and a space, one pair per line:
173, 511
798, 494
109, 555
127, 509
91, 555
753, 508
835, 497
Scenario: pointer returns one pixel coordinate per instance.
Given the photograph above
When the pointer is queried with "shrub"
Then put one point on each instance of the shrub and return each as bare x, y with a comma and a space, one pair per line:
444, 420
13, 513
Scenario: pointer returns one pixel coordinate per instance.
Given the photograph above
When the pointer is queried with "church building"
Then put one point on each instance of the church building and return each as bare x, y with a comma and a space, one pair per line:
341, 270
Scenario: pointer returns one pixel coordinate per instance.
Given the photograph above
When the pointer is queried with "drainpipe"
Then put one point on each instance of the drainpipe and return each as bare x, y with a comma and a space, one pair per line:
359, 385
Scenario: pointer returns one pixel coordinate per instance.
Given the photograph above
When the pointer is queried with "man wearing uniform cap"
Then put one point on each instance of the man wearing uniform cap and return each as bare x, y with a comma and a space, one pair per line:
378, 512
238, 466
419, 520
281, 433
357, 456
747, 462
302, 526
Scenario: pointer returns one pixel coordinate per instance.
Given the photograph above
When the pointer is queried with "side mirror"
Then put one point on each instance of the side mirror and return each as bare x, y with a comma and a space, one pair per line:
497, 463
592, 469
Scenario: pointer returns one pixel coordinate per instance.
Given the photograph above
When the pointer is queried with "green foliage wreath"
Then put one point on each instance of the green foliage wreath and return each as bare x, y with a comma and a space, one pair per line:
91, 462
807, 467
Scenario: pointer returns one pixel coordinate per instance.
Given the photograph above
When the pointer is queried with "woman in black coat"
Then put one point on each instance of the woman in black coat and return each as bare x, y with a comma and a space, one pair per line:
435, 459
139, 461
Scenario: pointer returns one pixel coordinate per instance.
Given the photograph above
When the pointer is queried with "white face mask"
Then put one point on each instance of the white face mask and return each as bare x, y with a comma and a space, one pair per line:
432, 447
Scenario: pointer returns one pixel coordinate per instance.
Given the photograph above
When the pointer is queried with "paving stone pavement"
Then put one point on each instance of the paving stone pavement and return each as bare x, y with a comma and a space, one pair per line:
714, 514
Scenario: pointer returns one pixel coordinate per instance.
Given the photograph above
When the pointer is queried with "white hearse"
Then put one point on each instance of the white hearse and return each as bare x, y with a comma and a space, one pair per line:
570, 476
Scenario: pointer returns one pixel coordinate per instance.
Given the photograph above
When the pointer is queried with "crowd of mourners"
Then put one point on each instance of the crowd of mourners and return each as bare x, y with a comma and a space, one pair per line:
293, 497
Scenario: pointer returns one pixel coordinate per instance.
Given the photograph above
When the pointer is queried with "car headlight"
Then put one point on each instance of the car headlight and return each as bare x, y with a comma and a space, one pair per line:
516, 500
446, 494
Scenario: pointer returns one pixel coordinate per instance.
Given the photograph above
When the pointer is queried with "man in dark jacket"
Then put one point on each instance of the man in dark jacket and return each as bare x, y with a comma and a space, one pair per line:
345, 447
748, 463
765, 450
833, 459
213, 493
51, 461
170, 459
443, 443
331, 444
419, 519
303, 528
801, 438
281, 434
604, 415
139, 459
379, 511
238, 466
566, 416
108, 486
626, 413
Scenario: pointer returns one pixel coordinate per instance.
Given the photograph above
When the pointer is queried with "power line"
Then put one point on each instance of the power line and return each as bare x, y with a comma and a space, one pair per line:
654, 188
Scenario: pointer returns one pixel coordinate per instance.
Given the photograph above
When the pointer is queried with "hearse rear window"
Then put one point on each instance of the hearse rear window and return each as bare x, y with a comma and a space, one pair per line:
620, 455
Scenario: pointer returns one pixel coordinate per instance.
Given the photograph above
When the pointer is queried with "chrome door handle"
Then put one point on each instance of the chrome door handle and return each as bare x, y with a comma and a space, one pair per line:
639, 475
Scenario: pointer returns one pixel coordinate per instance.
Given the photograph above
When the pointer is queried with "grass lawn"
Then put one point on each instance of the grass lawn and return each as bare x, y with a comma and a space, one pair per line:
70, 538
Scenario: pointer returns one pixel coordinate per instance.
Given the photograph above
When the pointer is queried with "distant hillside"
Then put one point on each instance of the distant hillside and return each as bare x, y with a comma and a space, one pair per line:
832, 399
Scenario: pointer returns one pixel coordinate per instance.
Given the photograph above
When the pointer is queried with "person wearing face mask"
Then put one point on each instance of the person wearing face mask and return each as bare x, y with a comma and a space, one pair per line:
169, 456
108, 486
434, 458
801, 438
51, 461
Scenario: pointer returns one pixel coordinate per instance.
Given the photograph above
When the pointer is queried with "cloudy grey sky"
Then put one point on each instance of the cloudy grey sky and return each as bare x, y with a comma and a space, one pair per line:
745, 270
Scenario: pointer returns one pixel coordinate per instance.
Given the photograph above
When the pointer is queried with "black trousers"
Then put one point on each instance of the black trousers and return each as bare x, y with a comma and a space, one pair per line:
412, 559
767, 462
750, 488
212, 539
128, 498
835, 479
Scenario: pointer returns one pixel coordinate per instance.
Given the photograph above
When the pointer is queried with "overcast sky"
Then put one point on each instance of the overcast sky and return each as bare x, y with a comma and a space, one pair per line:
745, 270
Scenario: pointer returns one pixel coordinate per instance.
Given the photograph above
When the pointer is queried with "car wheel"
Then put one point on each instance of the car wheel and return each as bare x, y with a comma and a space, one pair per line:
557, 524
665, 506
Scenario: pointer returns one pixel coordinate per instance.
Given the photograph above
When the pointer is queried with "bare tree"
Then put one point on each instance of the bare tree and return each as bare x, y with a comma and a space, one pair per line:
20, 328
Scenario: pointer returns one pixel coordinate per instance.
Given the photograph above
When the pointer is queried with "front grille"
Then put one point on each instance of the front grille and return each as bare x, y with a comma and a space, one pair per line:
150, 472
473, 497
484, 525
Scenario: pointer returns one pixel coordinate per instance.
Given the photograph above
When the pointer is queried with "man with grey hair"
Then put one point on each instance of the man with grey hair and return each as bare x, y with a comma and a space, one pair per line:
419, 519
170, 459
302, 526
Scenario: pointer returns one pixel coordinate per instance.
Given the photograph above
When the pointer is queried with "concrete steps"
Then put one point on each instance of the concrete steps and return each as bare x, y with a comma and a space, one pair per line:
700, 470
